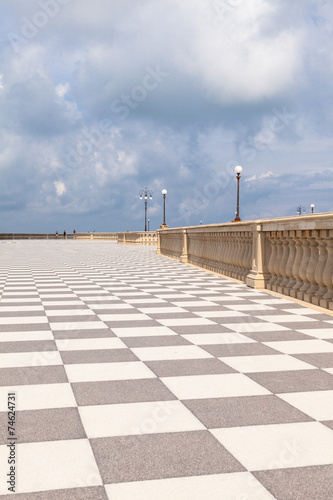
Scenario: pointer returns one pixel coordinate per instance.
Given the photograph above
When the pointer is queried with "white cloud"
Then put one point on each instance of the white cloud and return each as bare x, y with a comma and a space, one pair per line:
264, 175
60, 188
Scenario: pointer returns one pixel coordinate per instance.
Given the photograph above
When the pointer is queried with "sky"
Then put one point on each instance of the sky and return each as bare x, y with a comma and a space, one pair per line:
102, 98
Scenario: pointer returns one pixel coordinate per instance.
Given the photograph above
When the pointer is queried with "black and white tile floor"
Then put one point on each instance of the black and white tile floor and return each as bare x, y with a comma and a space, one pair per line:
141, 378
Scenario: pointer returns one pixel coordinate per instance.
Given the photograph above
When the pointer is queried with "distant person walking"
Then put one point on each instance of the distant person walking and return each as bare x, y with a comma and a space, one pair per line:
65, 234
74, 233
57, 234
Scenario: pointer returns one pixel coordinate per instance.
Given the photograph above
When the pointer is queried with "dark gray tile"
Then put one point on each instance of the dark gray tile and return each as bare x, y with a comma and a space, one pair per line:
83, 334
90, 493
321, 360
33, 375
246, 349
73, 319
98, 356
180, 454
247, 410
44, 425
158, 341
294, 381
18, 314
121, 391
39, 327
299, 483
271, 336
179, 315
329, 424
185, 330
129, 324
308, 325
183, 367
28, 346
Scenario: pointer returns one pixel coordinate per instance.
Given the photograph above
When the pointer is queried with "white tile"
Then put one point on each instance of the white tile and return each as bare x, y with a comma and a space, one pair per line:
101, 298
186, 322
226, 298
90, 344
301, 310
146, 301
39, 396
194, 303
270, 363
114, 305
57, 295
318, 333
219, 314
72, 464
217, 338
328, 370
23, 320
63, 303
286, 318
124, 317
265, 300
23, 336
170, 352
279, 446
150, 331
248, 327
78, 325
213, 386
158, 310
250, 307
132, 293
69, 312
93, 372
138, 418
316, 404
301, 346
36, 300
18, 359
175, 296
7, 309
236, 486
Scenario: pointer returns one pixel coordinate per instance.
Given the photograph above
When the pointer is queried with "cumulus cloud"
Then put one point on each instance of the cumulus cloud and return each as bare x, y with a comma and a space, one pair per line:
98, 103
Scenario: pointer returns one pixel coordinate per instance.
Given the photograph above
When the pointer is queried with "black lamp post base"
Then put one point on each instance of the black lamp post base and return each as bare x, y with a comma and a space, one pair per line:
164, 226
238, 219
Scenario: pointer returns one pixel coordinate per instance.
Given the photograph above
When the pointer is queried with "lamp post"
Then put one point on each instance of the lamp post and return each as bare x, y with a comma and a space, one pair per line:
238, 171
144, 193
148, 224
164, 225
312, 207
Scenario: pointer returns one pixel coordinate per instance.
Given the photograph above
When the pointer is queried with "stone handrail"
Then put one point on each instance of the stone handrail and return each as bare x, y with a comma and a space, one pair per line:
138, 238
290, 255
32, 236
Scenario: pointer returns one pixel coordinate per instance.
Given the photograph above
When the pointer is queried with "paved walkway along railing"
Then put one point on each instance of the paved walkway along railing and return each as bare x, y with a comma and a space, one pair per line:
290, 255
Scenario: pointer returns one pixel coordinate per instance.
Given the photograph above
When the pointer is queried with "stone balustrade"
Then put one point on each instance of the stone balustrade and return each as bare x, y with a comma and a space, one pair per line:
138, 238
291, 255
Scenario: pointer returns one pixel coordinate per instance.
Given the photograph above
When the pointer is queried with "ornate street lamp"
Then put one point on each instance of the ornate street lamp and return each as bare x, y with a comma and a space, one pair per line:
312, 207
148, 224
238, 171
144, 193
164, 225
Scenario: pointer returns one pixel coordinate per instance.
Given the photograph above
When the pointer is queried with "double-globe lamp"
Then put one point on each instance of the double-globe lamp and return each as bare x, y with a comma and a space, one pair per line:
145, 193
238, 171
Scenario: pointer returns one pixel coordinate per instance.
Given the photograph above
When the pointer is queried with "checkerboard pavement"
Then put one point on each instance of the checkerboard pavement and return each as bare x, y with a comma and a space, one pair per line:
138, 377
